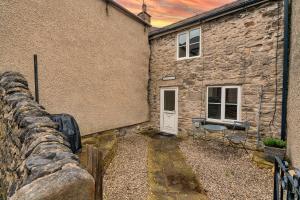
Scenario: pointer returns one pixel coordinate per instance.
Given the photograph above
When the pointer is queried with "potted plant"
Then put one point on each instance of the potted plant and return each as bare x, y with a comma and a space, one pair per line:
274, 147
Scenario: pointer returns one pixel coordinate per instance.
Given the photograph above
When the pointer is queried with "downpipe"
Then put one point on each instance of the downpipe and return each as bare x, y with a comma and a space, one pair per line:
285, 69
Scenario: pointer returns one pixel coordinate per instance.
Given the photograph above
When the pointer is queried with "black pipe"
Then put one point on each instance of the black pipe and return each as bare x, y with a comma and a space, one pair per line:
36, 78
285, 68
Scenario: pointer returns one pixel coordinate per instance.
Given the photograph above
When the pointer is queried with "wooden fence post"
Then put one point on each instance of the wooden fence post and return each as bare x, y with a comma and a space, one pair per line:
95, 168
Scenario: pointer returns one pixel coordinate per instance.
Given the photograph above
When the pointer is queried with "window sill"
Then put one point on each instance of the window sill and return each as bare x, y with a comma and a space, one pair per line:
189, 58
228, 124
219, 121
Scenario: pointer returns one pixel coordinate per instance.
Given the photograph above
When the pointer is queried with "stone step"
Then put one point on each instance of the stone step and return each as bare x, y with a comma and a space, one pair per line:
259, 159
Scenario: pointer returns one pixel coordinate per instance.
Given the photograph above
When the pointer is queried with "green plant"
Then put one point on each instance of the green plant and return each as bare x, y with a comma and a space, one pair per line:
273, 142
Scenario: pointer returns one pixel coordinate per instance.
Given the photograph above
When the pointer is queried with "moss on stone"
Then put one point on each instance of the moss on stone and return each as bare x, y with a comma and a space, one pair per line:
259, 159
2, 193
105, 141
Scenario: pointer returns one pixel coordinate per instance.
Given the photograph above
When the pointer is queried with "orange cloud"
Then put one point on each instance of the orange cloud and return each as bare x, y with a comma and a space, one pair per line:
165, 12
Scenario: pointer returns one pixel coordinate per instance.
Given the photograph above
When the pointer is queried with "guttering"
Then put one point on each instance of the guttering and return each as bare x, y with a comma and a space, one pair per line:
126, 12
285, 81
207, 16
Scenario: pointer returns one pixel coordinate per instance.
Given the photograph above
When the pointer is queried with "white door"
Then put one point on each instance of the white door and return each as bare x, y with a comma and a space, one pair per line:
169, 110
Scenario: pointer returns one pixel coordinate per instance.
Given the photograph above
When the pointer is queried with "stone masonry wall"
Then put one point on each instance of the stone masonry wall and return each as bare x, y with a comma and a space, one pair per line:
238, 49
36, 161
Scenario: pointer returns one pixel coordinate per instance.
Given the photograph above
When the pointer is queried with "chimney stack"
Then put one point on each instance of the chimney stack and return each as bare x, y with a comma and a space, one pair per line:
144, 15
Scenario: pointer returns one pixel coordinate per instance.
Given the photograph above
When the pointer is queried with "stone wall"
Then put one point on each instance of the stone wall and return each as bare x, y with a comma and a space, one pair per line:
237, 49
36, 161
293, 118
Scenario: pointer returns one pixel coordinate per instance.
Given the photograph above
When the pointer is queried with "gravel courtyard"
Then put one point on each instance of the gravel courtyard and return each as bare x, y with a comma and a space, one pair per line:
224, 172
227, 173
126, 177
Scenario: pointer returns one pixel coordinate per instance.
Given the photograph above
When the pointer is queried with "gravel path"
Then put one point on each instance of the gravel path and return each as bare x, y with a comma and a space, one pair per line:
126, 177
227, 173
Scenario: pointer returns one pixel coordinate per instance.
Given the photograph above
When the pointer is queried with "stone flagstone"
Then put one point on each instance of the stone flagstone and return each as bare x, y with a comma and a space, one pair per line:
170, 177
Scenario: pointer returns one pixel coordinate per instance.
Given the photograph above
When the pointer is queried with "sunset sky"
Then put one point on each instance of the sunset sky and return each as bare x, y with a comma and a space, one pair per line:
165, 12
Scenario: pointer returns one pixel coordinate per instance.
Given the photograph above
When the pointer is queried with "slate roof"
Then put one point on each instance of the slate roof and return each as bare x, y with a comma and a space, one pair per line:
206, 16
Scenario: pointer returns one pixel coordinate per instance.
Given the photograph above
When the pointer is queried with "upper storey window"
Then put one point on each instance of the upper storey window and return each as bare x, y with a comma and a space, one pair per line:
189, 44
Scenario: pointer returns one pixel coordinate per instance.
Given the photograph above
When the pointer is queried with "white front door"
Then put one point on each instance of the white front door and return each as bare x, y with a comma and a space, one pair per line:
169, 110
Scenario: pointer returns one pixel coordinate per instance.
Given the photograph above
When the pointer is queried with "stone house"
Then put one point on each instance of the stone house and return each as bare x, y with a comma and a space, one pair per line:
222, 65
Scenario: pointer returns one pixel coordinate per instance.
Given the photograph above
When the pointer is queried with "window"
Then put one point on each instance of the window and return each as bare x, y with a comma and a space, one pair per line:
194, 44
189, 44
231, 103
223, 103
214, 102
182, 45
169, 101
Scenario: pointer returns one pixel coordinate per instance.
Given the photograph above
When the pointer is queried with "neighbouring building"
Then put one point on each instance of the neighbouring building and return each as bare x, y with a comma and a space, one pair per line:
293, 119
93, 58
222, 65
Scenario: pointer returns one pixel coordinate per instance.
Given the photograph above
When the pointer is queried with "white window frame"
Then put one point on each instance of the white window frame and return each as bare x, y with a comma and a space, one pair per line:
187, 53
223, 89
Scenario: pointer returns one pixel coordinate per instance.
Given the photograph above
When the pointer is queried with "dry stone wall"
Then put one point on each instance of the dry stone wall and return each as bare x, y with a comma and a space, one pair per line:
36, 161
244, 49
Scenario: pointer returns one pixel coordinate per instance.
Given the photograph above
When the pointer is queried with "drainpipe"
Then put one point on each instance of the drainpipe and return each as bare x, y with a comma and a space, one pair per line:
285, 68
36, 78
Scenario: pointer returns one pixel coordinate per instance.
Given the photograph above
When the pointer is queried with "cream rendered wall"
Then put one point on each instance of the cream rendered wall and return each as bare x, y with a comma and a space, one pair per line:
293, 120
91, 65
